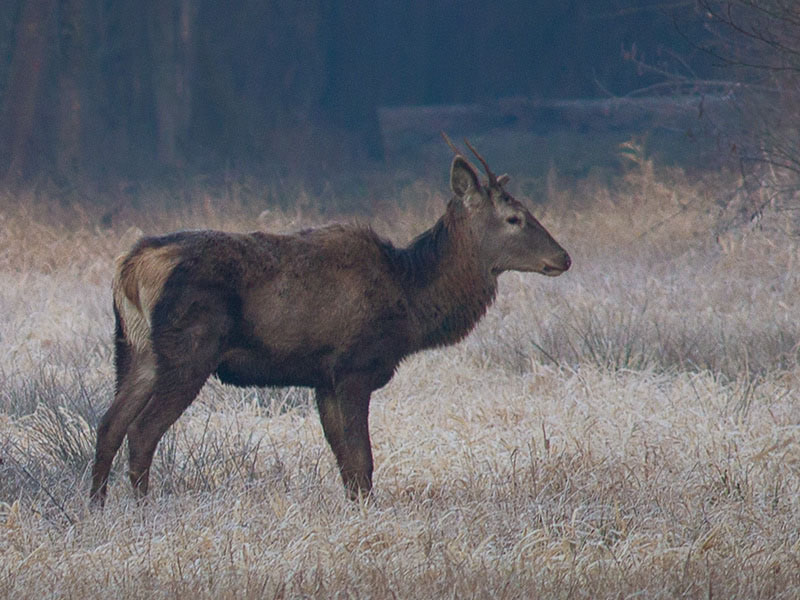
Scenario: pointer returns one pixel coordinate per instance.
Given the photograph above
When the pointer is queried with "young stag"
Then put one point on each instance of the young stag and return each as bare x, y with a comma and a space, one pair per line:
335, 308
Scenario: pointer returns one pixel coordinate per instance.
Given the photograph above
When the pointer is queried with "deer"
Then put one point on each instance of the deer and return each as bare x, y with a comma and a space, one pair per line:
334, 308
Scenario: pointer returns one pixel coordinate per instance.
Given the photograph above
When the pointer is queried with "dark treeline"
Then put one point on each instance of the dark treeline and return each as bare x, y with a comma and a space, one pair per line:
118, 88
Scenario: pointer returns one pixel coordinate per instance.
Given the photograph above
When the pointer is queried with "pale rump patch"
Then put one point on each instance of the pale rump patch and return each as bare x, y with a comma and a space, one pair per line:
138, 281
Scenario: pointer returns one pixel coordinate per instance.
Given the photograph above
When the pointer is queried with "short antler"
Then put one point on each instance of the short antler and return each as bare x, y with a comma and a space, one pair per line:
450, 143
458, 152
492, 177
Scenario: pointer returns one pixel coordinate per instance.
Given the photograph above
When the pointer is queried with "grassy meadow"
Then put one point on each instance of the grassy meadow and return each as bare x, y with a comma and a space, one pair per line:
629, 429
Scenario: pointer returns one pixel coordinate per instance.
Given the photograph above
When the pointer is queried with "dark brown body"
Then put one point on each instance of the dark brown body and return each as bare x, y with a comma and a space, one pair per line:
335, 308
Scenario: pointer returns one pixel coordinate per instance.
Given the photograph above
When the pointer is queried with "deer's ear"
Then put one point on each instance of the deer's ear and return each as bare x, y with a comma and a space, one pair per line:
463, 178
503, 179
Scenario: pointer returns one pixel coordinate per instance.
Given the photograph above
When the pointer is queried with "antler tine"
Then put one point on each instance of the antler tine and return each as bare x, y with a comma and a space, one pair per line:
450, 143
455, 149
492, 177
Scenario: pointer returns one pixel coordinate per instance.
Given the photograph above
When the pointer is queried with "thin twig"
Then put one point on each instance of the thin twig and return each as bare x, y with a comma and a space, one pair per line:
19, 466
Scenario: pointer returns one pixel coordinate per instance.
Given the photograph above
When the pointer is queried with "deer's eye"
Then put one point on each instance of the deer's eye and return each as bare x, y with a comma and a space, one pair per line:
513, 220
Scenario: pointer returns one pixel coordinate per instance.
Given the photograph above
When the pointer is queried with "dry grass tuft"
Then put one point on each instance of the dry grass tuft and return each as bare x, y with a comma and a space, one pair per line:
629, 429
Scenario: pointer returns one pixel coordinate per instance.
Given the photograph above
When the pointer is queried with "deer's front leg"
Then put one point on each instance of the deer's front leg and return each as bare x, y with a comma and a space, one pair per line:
344, 413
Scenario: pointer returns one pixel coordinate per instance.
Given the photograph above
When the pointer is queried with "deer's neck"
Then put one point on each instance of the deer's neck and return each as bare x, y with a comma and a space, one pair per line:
448, 289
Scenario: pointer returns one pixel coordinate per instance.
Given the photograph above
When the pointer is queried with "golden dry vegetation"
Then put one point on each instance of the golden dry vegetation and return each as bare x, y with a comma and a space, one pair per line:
630, 429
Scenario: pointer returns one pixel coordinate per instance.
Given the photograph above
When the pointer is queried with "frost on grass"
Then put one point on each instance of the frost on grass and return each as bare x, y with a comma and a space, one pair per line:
629, 428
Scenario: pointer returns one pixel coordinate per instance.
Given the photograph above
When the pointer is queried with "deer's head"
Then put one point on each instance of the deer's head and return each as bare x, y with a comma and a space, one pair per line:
509, 236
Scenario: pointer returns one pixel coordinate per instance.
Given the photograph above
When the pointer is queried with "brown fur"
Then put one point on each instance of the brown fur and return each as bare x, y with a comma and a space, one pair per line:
335, 308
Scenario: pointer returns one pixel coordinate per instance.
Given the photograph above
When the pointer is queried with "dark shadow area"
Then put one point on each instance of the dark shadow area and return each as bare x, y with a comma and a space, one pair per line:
98, 98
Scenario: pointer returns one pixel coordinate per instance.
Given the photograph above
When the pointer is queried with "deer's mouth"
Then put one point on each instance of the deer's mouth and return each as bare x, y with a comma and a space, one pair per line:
555, 269
551, 271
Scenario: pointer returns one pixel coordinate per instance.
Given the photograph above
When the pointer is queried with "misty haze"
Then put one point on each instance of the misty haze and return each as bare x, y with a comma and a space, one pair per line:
379, 393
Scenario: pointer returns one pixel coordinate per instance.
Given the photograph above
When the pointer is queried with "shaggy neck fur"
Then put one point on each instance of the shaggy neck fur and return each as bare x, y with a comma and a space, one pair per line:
448, 289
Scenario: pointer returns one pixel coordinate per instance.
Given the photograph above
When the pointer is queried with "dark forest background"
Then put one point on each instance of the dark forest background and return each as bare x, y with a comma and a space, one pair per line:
95, 89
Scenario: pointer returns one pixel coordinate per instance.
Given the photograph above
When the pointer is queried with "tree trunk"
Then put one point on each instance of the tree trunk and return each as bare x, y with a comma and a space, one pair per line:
72, 96
20, 145
172, 30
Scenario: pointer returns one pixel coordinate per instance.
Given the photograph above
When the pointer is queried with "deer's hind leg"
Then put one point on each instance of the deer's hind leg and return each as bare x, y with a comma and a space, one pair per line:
136, 374
186, 356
